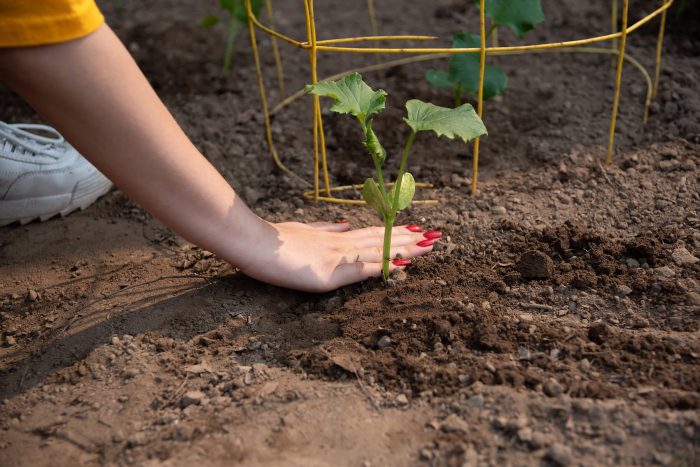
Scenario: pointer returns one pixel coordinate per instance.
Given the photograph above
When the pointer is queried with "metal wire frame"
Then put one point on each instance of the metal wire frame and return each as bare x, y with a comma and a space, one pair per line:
314, 46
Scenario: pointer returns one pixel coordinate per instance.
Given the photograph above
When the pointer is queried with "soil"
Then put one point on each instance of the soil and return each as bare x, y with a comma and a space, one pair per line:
556, 323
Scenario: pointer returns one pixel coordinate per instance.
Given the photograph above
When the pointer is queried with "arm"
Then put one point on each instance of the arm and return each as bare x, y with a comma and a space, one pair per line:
92, 91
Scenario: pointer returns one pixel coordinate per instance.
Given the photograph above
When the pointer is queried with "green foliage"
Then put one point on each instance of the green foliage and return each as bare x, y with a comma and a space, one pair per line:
408, 190
463, 69
237, 15
461, 122
208, 21
519, 15
463, 72
236, 8
352, 96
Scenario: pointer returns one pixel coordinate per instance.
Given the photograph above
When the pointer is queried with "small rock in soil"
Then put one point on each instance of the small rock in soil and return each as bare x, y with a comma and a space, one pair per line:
192, 398
693, 298
623, 290
32, 295
454, 424
664, 271
10, 341
682, 257
559, 455
535, 265
552, 388
401, 399
383, 342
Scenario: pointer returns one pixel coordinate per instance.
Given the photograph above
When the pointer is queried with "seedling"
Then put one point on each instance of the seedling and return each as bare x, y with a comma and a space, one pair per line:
351, 95
237, 16
463, 69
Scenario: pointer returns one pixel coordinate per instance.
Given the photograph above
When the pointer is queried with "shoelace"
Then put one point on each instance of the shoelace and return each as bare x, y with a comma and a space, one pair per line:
18, 134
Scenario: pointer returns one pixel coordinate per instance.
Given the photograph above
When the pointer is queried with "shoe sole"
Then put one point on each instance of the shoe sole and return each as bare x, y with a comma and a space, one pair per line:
44, 208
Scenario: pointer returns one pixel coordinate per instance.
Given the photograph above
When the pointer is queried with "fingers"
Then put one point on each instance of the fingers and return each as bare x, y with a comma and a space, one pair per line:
375, 254
369, 232
340, 226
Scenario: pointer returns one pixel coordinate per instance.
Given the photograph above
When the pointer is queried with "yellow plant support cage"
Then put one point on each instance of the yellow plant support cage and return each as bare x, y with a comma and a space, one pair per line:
326, 192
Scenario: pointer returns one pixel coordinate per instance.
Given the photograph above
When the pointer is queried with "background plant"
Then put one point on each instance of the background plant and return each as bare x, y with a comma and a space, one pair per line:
351, 95
237, 16
462, 75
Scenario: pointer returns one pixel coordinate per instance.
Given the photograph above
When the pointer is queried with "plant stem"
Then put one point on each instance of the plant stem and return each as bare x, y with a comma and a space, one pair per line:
380, 177
388, 226
491, 29
230, 41
458, 95
389, 220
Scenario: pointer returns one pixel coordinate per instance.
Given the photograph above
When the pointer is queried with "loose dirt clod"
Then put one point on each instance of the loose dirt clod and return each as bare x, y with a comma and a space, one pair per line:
535, 265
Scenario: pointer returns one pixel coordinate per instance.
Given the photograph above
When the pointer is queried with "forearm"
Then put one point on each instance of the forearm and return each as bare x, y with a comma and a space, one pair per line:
92, 91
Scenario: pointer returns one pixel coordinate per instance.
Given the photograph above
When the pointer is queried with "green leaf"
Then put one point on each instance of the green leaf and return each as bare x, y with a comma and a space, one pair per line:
464, 69
439, 79
462, 122
408, 189
373, 145
374, 197
518, 15
209, 21
351, 96
237, 8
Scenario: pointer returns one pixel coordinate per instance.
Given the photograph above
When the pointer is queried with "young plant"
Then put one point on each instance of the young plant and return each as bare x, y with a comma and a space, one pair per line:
462, 75
351, 95
237, 16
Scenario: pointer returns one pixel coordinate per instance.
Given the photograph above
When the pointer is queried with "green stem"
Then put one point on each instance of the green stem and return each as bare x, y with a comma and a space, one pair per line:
380, 177
389, 220
230, 41
491, 29
458, 95
388, 226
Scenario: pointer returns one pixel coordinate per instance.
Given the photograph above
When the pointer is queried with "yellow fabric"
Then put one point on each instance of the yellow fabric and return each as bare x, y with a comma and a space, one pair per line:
39, 22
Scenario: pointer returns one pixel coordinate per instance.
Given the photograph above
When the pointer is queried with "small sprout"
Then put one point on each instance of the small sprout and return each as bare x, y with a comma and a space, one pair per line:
352, 96
237, 16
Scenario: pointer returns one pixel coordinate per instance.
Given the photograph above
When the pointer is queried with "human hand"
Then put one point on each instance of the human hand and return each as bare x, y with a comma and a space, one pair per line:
323, 256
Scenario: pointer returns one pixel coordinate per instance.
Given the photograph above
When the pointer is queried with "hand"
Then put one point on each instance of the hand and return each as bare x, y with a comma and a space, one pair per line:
325, 256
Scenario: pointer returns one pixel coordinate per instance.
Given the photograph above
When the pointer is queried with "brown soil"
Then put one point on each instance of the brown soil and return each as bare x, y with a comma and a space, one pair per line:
557, 322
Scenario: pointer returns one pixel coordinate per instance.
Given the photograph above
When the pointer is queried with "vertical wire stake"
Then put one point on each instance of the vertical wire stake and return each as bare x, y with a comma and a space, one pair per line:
314, 79
276, 51
322, 135
480, 99
618, 81
659, 50
613, 27
263, 98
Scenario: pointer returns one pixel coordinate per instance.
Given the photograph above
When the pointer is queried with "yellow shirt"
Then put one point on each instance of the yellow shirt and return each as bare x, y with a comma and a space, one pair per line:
39, 22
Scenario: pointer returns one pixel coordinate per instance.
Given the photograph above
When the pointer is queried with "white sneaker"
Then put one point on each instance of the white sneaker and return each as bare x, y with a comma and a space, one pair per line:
43, 176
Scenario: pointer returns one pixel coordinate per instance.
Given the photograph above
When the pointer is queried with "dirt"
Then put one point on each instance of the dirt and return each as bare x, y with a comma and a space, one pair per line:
556, 323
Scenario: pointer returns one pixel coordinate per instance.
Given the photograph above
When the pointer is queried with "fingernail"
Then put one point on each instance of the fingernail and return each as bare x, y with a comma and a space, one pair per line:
426, 242
414, 228
433, 234
401, 262
342, 221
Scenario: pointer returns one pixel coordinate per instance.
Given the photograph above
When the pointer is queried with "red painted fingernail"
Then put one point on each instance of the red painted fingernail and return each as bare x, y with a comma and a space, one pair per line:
401, 262
342, 222
433, 234
414, 228
426, 242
